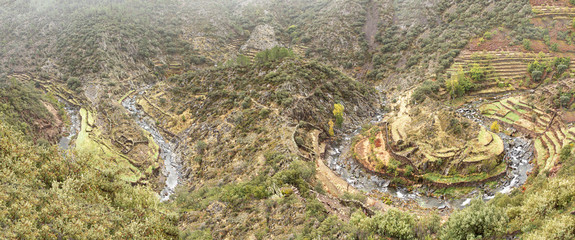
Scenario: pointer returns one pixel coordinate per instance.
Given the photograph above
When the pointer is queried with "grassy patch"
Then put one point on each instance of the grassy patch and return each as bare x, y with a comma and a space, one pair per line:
125, 96
103, 156
512, 116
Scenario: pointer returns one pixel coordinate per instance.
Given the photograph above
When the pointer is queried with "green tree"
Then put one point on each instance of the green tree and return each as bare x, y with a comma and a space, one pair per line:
394, 223
527, 44
74, 83
242, 60
459, 84
478, 221
477, 73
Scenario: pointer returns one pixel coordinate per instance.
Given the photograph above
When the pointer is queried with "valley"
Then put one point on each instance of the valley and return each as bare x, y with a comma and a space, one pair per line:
252, 119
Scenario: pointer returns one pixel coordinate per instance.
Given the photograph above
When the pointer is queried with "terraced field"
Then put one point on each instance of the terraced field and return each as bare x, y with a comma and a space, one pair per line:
549, 133
554, 12
498, 64
505, 69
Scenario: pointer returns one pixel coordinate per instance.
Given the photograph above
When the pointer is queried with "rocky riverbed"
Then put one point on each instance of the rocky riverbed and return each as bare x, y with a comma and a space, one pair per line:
172, 160
518, 153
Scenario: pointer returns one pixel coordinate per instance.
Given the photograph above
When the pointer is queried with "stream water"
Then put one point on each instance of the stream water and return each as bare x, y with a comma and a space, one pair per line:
518, 153
73, 129
172, 163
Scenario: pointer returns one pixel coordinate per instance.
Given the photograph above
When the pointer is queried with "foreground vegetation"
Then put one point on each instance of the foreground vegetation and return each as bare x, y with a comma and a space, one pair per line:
47, 194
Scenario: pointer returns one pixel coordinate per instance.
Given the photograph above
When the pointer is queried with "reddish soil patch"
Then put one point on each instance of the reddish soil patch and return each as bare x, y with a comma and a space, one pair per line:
553, 171
378, 143
50, 129
362, 148
499, 42
568, 117
502, 38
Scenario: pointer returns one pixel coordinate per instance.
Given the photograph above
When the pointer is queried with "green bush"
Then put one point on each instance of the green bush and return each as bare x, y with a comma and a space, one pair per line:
477, 73
537, 76
274, 54
394, 223
428, 88
74, 83
298, 174
477, 221
566, 152
527, 44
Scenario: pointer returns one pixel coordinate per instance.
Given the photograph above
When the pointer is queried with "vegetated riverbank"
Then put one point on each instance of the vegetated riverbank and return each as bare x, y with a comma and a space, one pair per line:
172, 161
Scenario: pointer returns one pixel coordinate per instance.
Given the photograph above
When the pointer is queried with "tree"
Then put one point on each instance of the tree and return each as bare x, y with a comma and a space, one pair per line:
478, 221
459, 84
242, 60
495, 127
537, 75
477, 73
201, 147
394, 223
74, 83
554, 47
331, 132
564, 99
527, 44
338, 113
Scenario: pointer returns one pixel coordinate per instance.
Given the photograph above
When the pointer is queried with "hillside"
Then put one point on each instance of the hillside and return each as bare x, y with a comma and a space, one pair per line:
253, 119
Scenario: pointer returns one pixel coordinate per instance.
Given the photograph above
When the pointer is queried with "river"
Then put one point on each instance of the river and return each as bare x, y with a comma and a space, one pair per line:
518, 153
73, 129
172, 161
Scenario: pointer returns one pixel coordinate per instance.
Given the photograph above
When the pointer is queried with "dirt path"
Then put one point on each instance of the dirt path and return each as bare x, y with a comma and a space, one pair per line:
332, 183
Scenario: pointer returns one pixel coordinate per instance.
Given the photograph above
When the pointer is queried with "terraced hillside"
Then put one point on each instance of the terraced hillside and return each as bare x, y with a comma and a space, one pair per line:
550, 134
500, 66
105, 135
554, 12
430, 145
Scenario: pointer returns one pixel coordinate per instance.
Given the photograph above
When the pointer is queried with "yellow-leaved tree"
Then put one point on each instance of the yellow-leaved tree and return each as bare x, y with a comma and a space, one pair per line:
338, 113
331, 132
495, 127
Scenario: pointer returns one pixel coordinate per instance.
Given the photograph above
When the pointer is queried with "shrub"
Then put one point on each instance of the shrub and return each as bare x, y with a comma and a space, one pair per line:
428, 88
477, 221
566, 152
459, 84
527, 44
495, 127
394, 223
554, 47
537, 75
274, 54
74, 83
298, 175
564, 100
488, 35
477, 73
201, 147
